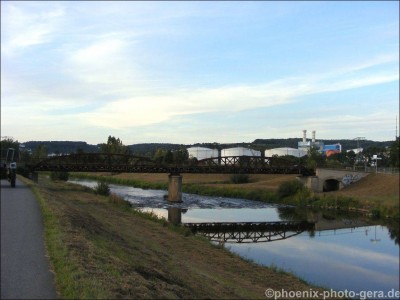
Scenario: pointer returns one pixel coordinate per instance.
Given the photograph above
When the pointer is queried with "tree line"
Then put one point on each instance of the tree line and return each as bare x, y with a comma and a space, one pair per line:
177, 153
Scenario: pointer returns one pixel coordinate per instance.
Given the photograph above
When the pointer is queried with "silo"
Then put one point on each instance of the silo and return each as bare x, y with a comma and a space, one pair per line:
202, 153
240, 151
285, 151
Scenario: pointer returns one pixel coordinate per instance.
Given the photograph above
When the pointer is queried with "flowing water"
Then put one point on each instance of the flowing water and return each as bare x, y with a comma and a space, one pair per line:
344, 252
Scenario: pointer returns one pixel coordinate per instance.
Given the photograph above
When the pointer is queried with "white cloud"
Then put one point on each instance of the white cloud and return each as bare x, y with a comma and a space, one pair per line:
150, 109
22, 28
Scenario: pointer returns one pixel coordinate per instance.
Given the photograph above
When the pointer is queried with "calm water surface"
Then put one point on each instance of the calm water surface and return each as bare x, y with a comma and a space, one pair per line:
360, 257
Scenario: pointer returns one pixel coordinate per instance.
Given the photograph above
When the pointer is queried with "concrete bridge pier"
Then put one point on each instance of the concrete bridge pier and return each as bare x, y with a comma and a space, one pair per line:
175, 188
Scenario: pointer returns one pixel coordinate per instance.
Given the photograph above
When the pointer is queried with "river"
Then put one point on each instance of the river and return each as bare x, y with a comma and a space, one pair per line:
344, 252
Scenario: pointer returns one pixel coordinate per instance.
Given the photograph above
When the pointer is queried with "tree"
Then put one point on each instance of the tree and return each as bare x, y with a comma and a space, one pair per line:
394, 154
169, 157
40, 153
9, 143
115, 146
181, 155
314, 158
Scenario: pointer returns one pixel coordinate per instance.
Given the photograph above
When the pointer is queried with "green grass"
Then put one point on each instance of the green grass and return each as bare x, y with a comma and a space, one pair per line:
69, 280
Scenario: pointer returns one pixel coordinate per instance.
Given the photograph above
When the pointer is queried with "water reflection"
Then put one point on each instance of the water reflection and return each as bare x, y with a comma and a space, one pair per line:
339, 259
175, 215
242, 232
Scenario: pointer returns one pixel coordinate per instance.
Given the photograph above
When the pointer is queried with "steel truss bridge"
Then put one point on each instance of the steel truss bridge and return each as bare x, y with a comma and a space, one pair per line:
249, 232
121, 163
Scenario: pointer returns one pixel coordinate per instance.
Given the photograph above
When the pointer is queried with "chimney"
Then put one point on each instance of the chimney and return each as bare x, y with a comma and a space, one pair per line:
304, 136
313, 136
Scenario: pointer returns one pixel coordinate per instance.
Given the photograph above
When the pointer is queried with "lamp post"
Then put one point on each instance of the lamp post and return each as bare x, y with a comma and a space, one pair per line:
375, 240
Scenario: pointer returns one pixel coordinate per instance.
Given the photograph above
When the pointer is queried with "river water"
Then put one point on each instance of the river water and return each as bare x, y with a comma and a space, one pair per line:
344, 252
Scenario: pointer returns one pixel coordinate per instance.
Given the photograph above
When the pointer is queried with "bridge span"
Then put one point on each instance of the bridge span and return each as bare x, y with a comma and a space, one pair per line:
121, 163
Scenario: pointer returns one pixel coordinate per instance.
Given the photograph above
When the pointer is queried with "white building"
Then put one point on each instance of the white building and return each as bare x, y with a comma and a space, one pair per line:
240, 151
285, 151
202, 153
356, 151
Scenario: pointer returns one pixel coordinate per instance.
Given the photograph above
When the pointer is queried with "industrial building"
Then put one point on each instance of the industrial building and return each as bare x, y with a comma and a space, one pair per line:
285, 151
239, 151
202, 153
304, 146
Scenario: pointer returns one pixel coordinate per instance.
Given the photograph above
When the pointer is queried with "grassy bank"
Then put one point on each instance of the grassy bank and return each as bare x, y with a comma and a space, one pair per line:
376, 194
99, 247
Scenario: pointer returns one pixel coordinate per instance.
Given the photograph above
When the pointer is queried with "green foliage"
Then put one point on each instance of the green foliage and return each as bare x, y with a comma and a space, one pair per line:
292, 188
114, 145
177, 156
9, 143
289, 188
40, 153
239, 178
395, 154
314, 159
102, 188
59, 175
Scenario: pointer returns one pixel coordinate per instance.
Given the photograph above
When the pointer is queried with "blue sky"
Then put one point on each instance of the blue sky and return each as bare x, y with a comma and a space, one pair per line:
187, 72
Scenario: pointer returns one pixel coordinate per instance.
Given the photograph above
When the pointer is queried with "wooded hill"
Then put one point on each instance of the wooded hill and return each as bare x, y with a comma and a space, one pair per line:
149, 149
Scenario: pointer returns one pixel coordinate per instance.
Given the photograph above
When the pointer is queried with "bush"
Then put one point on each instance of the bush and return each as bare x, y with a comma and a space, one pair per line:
290, 188
59, 175
102, 188
239, 178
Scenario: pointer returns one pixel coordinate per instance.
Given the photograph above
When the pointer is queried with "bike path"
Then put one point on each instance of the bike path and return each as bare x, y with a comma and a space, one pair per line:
25, 268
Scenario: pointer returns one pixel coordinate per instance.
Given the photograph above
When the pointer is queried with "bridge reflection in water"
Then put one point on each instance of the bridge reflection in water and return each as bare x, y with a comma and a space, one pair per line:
242, 232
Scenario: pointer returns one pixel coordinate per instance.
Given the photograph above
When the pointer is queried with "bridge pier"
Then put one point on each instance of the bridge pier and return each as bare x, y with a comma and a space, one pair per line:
175, 188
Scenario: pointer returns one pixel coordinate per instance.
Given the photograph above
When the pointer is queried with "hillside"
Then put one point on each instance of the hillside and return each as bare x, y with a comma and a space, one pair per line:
374, 187
149, 149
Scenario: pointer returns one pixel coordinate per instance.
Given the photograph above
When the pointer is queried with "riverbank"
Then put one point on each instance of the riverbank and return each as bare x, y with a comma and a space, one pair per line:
376, 194
101, 248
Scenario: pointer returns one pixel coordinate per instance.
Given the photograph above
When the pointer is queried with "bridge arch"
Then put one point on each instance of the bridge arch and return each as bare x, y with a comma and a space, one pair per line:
331, 184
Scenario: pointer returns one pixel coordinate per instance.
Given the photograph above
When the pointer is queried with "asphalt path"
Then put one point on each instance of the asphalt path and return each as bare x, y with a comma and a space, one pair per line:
25, 270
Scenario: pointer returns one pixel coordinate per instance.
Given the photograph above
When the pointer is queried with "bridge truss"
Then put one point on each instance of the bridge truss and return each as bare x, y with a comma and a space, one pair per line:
249, 232
106, 162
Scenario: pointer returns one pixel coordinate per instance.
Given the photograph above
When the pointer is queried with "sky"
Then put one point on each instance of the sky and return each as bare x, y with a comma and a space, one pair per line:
192, 72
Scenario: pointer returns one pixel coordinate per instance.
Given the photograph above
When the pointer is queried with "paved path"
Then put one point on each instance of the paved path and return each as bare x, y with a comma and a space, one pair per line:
24, 267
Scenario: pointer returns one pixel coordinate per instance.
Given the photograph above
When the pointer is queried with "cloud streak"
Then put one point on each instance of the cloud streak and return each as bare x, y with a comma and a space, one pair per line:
127, 66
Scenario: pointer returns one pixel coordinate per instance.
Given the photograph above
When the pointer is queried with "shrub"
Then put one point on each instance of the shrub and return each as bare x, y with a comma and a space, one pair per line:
239, 178
59, 175
102, 188
290, 188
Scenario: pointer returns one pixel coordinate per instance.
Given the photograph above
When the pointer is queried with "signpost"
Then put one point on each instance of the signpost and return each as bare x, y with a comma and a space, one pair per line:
376, 158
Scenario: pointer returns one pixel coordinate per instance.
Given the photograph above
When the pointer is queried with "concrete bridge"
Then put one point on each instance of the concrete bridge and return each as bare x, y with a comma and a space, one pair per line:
326, 180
